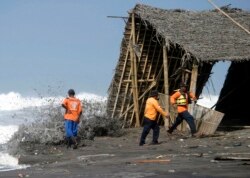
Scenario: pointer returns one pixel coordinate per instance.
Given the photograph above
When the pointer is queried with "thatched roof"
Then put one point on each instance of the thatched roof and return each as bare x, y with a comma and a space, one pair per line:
208, 35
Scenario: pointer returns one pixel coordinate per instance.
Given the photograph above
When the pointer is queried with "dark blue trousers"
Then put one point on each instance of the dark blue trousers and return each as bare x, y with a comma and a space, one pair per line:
71, 128
148, 125
187, 117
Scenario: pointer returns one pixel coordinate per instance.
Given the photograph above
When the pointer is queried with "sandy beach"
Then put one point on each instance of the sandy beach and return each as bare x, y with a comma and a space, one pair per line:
226, 154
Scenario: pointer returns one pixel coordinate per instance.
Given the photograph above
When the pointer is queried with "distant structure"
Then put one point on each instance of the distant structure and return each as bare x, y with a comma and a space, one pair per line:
161, 48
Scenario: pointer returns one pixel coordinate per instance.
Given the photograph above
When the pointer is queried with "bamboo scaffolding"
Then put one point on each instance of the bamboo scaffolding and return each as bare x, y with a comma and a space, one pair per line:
120, 82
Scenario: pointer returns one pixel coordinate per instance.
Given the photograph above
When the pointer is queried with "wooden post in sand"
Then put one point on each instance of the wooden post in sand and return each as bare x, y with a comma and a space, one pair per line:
192, 88
166, 84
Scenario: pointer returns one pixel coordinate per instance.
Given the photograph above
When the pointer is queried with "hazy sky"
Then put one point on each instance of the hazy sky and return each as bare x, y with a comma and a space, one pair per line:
61, 44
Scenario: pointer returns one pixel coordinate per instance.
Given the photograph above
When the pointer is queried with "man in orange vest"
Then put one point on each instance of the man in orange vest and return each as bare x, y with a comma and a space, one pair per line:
73, 112
152, 108
181, 98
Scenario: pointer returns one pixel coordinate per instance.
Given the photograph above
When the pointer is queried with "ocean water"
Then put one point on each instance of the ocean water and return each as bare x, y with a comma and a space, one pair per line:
16, 110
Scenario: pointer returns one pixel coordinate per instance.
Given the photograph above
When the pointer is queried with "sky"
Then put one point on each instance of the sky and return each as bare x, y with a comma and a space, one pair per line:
49, 46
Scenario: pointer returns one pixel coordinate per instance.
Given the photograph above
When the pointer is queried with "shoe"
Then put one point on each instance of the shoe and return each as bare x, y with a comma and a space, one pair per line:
141, 143
154, 143
169, 132
196, 135
75, 147
75, 143
68, 142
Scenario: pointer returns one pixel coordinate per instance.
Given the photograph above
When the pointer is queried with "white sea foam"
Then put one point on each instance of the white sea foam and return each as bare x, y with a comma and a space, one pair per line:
15, 101
90, 97
8, 163
6, 132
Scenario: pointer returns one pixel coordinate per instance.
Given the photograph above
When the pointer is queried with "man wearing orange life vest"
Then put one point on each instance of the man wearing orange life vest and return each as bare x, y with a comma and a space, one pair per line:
73, 112
150, 114
181, 99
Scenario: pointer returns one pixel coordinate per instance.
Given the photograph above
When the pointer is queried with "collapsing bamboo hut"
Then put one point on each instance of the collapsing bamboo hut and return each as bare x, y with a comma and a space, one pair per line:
161, 48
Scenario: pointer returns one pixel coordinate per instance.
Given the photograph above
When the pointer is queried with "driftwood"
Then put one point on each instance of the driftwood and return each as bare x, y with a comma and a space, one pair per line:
152, 161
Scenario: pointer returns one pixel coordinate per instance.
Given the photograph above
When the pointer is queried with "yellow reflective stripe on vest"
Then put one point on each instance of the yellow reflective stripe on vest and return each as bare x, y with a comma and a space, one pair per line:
181, 100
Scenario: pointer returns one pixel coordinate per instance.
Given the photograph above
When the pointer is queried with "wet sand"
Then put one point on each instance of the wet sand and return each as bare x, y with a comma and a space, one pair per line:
176, 156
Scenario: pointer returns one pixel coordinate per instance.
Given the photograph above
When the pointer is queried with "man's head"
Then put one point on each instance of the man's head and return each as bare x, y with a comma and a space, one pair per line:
154, 93
71, 92
183, 87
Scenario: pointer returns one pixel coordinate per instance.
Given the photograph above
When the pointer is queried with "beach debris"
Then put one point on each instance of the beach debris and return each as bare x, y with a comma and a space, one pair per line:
194, 146
227, 158
237, 144
20, 175
84, 157
152, 161
160, 156
214, 161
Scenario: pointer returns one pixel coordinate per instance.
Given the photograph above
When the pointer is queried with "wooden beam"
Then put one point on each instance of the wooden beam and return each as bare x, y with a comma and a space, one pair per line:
193, 83
166, 84
140, 80
134, 75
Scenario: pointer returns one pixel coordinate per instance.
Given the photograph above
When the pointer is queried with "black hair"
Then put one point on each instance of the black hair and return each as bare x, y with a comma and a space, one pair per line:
71, 92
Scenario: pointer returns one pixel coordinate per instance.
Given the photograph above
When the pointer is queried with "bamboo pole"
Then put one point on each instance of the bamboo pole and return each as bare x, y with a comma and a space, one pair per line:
224, 13
192, 88
166, 84
134, 75
140, 80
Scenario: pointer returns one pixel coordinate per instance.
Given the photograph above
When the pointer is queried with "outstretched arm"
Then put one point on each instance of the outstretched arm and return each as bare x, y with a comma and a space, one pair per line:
160, 110
193, 97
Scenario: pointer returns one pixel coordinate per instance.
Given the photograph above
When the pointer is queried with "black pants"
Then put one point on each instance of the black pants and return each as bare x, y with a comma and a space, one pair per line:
187, 117
149, 124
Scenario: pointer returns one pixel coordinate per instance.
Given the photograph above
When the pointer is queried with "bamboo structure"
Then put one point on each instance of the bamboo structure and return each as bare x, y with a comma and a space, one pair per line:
162, 48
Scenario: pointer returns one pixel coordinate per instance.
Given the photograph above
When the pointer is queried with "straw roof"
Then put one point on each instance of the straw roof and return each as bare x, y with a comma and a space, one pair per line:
208, 35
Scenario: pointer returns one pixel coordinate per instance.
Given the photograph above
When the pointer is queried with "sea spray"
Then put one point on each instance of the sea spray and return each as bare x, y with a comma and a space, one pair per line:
48, 125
